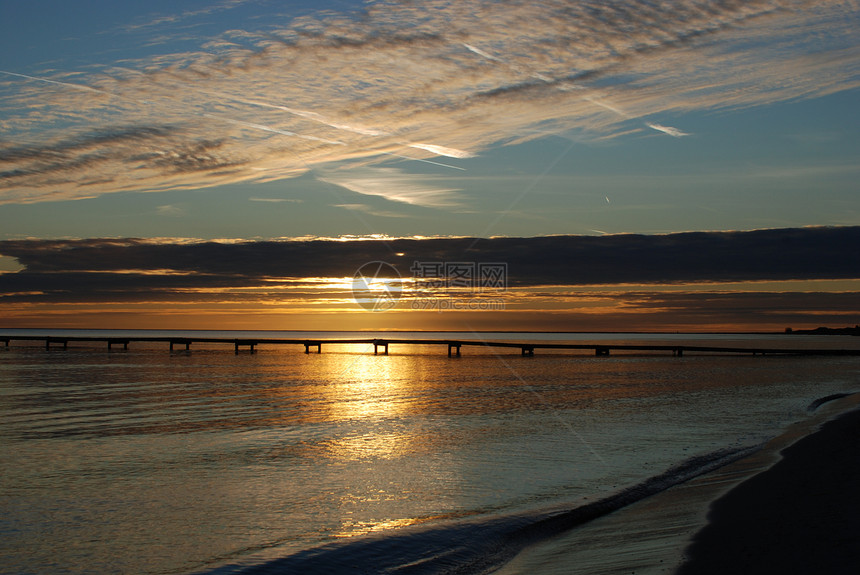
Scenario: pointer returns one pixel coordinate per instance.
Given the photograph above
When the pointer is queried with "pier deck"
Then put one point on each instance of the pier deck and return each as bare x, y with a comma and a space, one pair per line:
382, 344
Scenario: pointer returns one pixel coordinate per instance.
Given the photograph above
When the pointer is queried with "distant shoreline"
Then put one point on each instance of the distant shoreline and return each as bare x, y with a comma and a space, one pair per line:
825, 331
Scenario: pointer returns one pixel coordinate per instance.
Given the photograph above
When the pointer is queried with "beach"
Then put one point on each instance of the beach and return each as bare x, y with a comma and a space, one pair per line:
705, 524
800, 516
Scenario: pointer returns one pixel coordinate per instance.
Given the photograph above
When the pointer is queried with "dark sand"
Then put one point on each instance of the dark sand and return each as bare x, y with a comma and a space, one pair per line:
800, 516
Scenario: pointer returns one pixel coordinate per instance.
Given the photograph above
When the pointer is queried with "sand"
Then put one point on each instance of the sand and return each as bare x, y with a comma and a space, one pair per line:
800, 516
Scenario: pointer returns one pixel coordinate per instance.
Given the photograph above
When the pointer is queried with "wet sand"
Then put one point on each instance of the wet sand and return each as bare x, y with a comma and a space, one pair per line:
800, 516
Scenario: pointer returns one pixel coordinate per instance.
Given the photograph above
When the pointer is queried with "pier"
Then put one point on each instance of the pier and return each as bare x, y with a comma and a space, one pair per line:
381, 346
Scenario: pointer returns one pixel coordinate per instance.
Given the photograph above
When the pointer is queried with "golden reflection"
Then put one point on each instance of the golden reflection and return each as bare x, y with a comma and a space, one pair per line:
354, 528
369, 391
371, 445
376, 400
366, 387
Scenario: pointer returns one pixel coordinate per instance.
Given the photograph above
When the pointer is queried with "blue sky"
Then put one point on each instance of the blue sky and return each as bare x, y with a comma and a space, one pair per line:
234, 122
539, 130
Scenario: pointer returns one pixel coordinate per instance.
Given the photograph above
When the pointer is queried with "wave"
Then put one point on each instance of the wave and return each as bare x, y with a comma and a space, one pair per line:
472, 547
822, 400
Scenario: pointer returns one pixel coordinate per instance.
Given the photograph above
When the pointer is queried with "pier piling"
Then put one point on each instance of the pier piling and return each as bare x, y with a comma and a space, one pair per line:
50, 340
252, 345
187, 343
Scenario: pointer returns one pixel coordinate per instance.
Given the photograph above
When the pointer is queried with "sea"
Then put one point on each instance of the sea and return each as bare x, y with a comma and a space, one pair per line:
210, 461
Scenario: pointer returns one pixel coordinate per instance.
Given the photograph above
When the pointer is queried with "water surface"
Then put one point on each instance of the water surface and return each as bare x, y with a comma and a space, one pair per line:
145, 461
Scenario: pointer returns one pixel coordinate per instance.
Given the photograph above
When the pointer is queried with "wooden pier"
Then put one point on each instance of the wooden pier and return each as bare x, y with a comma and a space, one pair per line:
381, 345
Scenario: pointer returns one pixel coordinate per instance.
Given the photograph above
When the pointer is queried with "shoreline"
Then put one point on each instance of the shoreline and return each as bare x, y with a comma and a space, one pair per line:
801, 515
654, 536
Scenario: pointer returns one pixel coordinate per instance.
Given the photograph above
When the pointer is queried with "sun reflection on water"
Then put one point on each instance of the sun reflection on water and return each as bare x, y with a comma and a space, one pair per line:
370, 394
355, 528
383, 425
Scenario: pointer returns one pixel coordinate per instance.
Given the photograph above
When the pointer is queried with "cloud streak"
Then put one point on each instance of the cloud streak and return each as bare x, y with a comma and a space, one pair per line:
674, 132
393, 185
435, 79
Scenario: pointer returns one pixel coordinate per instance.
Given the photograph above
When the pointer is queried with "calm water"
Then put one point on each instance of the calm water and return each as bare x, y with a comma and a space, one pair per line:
145, 461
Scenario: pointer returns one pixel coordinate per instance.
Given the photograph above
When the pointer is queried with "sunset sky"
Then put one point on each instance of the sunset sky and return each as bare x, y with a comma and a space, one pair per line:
681, 165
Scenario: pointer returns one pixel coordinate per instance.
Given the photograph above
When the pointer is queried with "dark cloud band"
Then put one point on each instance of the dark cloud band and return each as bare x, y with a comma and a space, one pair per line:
134, 265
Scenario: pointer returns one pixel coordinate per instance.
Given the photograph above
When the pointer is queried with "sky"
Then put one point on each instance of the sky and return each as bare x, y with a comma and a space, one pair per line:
629, 165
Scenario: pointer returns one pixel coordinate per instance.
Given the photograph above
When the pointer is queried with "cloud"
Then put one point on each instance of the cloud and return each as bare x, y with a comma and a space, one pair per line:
276, 200
442, 151
370, 210
393, 185
674, 132
482, 53
778, 255
170, 211
160, 21
9, 265
430, 79
703, 280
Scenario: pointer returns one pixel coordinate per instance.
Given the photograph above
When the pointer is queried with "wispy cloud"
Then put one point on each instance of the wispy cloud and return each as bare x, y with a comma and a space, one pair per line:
161, 20
482, 53
276, 200
394, 185
419, 80
370, 210
674, 132
170, 211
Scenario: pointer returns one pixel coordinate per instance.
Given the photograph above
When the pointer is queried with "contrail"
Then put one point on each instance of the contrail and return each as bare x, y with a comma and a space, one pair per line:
674, 132
514, 67
425, 161
669, 130
438, 150
58, 83
480, 52
360, 130
442, 150
602, 104
230, 120
316, 117
274, 130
